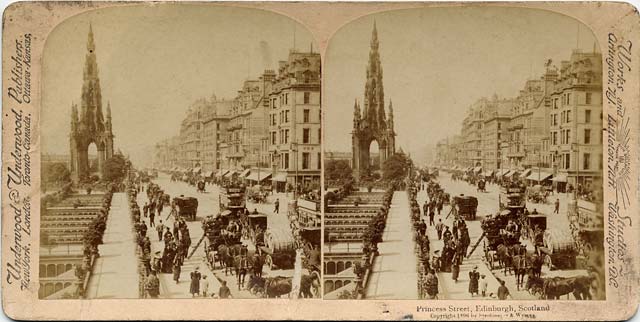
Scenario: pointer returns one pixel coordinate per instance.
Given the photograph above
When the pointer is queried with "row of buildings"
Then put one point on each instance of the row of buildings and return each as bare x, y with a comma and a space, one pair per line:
272, 126
553, 127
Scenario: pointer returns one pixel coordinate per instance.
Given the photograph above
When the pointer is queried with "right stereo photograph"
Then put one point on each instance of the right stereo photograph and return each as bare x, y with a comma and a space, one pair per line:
463, 157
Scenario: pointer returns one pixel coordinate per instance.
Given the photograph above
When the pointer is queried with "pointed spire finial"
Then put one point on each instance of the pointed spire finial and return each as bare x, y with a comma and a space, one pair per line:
374, 35
90, 44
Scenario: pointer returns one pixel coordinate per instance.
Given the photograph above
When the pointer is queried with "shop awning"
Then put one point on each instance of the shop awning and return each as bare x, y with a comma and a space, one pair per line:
221, 173
245, 173
542, 176
196, 170
562, 177
280, 177
487, 173
229, 174
255, 176
525, 173
510, 173
208, 174
477, 169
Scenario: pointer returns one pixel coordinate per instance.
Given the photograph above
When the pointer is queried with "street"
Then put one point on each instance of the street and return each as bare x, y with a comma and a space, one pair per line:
208, 204
488, 204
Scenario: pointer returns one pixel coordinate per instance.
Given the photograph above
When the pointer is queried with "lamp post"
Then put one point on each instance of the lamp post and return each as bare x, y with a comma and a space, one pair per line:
294, 146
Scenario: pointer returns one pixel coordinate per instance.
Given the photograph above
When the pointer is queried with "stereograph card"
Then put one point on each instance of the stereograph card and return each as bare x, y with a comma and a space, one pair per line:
316, 160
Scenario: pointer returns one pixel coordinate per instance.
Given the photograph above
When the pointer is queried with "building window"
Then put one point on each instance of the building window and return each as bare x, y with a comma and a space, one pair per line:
305, 160
319, 136
306, 133
319, 161
305, 115
587, 136
286, 136
587, 115
285, 160
286, 116
567, 161
273, 138
586, 161
587, 98
307, 97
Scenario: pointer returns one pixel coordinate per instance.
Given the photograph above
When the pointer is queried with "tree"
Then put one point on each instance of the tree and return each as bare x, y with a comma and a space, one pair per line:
396, 167
56, 172
115, 168
337, 171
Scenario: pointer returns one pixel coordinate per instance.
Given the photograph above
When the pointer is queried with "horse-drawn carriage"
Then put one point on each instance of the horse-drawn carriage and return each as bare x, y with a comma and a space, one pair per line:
232, 199
253, 227
257, 194
537, 194
467, 206
187, 207
559, 249
497, 231
512, 199
534, 227
279, 249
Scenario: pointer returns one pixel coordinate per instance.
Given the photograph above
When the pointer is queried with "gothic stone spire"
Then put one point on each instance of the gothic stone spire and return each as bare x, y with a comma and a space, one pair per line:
374, 112
91, 116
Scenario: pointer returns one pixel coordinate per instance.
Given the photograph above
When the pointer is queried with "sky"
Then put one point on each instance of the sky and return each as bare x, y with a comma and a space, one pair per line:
154, 61
437, 61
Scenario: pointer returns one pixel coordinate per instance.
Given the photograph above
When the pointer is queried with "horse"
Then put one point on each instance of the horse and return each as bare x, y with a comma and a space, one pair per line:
225, 258
520, 264
241, 265
504, 257
555, 287
307, 282
270, 287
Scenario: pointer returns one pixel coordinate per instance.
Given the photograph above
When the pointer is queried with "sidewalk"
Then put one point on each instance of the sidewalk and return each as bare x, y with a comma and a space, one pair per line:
115, 273
394, 274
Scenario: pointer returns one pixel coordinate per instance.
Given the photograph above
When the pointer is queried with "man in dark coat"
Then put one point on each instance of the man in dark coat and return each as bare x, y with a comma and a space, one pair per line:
422, 227
194, 288
474, 277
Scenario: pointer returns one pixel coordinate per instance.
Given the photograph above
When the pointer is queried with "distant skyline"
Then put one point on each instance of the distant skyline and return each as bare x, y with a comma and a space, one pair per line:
437, 62
155, 61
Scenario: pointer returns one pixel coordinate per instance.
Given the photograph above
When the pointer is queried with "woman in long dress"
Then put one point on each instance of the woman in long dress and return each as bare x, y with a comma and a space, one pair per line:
176, 270
194, 288
474, 276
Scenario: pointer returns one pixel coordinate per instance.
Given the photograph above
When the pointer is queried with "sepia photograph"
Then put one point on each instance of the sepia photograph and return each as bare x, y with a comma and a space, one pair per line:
472, 165
180, 155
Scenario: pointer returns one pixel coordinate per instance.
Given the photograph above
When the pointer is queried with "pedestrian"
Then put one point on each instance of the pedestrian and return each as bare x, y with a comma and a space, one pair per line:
455, 268
152, 217
160, 230
224, 292
483, 285
439, 206
431, 215
557, 209
168, 236
194, 288
432, 285
425, 208
152, 285
176, 270
277, 206
204, 286
454, 229
145, 208
474, 276
503, 291
439, 227
446, 236
422, 227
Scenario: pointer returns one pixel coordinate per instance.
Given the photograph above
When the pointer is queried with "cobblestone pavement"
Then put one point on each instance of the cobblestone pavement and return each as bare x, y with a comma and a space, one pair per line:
115, 273
394, 274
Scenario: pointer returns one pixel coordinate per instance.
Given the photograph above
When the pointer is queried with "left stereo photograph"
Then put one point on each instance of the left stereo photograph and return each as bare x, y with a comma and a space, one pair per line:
180, 155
